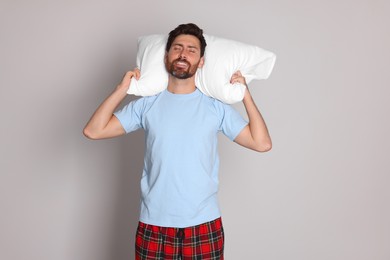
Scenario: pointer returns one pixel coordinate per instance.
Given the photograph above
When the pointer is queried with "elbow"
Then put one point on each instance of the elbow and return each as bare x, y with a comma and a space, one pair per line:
89, 134
263, 147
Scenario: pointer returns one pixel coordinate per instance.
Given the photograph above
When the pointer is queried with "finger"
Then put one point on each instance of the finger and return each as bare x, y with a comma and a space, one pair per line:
129, 74
137, 73
234, 76
237, 74
234, 81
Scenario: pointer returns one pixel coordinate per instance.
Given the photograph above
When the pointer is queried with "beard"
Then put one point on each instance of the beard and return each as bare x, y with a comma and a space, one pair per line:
183, 71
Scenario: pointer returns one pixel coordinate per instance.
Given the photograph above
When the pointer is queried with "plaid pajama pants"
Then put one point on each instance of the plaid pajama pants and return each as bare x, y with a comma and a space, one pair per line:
201, 242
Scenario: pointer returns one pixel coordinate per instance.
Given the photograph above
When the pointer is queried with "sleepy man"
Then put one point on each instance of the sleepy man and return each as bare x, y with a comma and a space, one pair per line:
180, 216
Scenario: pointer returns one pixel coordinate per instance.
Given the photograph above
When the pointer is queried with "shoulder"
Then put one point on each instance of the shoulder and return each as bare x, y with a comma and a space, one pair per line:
220, 106
144, 101
136, 106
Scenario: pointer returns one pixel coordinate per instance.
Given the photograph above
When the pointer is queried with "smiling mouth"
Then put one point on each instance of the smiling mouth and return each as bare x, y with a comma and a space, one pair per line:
182, 64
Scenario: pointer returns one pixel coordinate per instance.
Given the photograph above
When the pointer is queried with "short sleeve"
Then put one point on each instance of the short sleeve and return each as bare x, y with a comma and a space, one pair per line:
130, 116
232, 122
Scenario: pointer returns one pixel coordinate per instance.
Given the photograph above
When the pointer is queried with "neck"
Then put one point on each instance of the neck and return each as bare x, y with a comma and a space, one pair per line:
181, 86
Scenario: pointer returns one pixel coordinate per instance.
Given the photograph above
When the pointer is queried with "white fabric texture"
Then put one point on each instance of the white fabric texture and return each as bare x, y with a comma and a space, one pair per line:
223, 57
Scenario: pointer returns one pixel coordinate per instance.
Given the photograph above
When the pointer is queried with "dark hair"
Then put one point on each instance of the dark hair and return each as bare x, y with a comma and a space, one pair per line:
191, 29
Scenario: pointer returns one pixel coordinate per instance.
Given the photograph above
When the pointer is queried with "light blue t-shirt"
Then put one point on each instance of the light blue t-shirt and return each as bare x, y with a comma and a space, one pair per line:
179, 182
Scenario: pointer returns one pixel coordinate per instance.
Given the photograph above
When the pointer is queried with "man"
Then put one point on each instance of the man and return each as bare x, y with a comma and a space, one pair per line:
180, 217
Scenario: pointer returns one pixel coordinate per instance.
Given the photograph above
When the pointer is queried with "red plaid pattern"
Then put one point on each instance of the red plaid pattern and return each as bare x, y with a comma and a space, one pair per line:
201, 242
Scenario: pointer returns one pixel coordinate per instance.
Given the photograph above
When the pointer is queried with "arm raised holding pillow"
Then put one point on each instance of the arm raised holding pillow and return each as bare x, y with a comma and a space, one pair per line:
255, 135
103, 124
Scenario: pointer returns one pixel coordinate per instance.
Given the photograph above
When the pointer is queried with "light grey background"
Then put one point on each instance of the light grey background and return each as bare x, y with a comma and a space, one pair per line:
321, 193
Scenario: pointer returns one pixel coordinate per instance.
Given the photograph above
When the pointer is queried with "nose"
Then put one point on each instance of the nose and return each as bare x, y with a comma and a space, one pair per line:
182, 55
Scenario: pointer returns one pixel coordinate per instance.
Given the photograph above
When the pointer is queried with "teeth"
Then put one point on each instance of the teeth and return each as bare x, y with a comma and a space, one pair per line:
181, 64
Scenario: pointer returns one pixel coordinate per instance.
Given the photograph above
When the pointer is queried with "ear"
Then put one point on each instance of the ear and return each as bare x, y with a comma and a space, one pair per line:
201, 62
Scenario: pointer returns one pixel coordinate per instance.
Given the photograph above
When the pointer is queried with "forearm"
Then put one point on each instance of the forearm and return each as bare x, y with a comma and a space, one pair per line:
257, 126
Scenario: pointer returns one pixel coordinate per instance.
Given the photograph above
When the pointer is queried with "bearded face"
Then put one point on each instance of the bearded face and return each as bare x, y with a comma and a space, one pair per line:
181, 68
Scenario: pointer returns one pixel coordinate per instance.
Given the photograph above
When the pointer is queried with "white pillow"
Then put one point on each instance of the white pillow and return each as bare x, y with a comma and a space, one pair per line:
222, 58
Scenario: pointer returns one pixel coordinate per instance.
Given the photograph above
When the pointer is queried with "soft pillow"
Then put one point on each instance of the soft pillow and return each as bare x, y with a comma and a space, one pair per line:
223, 57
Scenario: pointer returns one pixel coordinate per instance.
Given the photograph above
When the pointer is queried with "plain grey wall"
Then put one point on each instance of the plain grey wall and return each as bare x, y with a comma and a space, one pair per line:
321, 193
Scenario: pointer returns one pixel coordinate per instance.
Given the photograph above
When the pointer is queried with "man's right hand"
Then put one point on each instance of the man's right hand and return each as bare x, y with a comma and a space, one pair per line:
125, 84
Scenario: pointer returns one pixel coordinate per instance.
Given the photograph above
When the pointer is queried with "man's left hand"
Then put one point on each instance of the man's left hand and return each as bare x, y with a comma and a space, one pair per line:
238, 78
